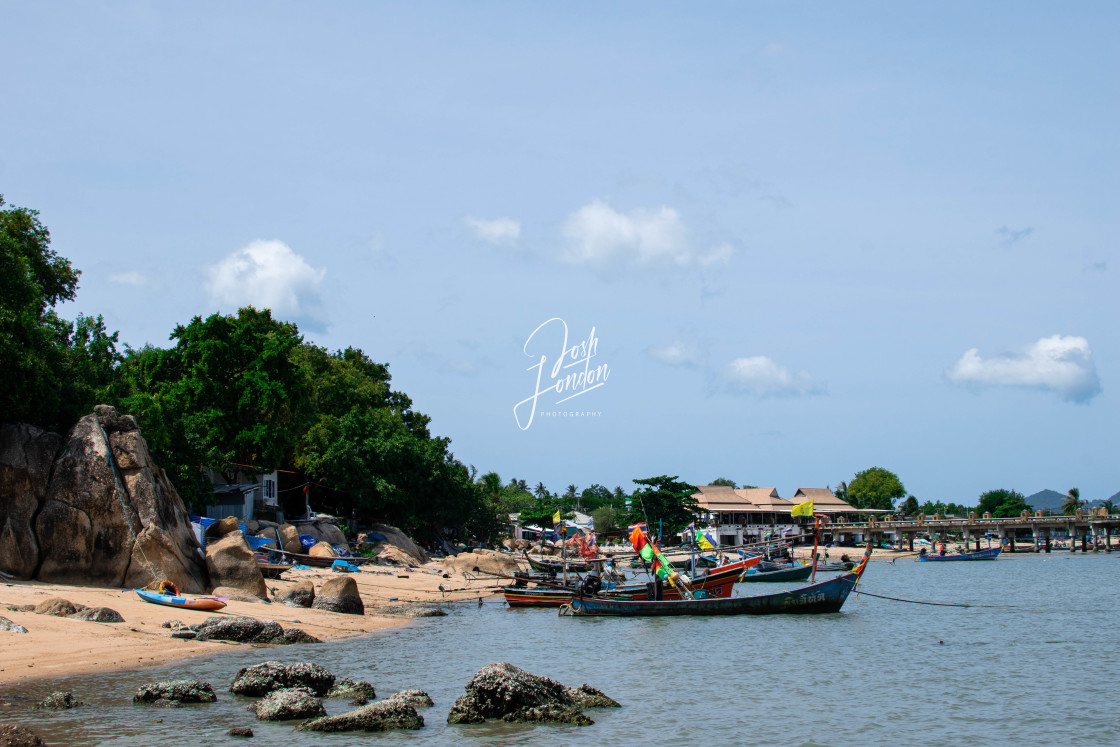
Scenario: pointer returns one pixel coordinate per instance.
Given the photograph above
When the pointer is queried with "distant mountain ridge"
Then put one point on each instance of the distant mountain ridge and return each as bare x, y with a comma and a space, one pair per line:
1053, 500
1046, 499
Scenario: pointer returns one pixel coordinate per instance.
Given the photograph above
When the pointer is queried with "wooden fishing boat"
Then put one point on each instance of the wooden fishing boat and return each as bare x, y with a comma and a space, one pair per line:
788, 573
187, 603
716, 583
990, 553
273, 570
823, 597
557, 566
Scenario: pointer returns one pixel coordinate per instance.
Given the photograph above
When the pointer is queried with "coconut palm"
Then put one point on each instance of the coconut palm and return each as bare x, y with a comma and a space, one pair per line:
1109, 507
541, 490
1072, 502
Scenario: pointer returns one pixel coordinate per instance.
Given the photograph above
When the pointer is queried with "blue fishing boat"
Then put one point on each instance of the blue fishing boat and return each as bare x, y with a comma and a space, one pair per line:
787, 573
823, 597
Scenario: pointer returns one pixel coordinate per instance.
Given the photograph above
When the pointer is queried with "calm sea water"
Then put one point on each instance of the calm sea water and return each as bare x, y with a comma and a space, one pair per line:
879, 673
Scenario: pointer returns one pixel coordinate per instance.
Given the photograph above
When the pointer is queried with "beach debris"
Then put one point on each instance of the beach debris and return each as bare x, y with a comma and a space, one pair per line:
261, 679
356, 689
339, 594
8, 626
60, 700
502, 689
171, 624
240, 731
98, 615
414, 698
300, 594
380, 716
288, 704
174, 692
14, 735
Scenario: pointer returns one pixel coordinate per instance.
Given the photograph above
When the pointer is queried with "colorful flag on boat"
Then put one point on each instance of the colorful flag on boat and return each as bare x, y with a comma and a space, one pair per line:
705, 541
802, 509
787, 530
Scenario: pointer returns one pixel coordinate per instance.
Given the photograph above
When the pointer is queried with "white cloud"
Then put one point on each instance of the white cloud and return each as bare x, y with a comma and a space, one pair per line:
129, 278
600, 236
1058, 363
498, 231
762, 377
269, 275
691, 353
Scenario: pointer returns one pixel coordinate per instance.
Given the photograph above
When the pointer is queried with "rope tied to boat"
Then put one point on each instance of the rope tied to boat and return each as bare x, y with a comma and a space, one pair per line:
934, 603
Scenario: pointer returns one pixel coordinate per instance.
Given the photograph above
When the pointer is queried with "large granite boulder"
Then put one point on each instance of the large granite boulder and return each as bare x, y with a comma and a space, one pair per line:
486, 561
300, 594
231, 563
222, 527
380, 716
239, 629
261, 679
322, 550
26, 455
288, 704
114, 527
324, 531
340, 594
507, 692
385, 534
289, 538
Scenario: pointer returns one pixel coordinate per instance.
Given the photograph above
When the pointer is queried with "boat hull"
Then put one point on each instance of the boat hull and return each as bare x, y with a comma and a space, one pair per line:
990, 554
795, 573
186, 603
549, 566
820, 598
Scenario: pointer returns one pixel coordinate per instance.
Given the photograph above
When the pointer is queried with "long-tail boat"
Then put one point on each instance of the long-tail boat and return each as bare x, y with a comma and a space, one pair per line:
823, 597
557, 566
718, 582
787, 573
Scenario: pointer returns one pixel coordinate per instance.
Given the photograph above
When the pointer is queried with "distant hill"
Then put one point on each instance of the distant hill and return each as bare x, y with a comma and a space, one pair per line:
1046, 499
1115, 498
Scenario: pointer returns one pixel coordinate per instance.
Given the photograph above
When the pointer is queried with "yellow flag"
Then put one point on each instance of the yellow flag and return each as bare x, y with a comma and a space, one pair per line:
556, 517
802, 509
704, 542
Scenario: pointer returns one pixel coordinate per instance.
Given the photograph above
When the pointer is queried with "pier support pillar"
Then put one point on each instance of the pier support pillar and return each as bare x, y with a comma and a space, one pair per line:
978, 542
1011, 542
910, 542
1072, 539
1096, 539
1034, 531
1107, 539
1084, 542
1047, 540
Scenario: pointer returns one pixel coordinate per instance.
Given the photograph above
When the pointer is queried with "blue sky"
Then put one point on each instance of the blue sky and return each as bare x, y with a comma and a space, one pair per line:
810, 238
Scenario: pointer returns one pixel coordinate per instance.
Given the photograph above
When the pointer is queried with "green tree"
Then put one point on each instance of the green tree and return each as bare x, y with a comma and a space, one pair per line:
909, 507
1002, 503
724, 482
594, 497
53, 371
1072, 502
875, 488
1109, 506
665, 503
605, 519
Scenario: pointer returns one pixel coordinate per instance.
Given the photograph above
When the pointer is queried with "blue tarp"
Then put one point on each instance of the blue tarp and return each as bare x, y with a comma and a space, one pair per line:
307, 541
255, 542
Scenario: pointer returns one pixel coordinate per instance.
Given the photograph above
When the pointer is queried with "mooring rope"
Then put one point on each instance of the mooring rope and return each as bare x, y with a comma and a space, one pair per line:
859, 590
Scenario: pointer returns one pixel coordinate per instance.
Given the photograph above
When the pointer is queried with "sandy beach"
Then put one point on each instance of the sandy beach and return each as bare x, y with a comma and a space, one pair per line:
59, 646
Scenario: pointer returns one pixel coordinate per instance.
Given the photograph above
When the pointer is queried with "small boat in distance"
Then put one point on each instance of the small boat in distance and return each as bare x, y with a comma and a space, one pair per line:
990, 553
188, 603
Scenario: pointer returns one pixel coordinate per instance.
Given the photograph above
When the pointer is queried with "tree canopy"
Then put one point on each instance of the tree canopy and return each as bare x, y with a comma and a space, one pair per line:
665, 503
1002, 503
876, 488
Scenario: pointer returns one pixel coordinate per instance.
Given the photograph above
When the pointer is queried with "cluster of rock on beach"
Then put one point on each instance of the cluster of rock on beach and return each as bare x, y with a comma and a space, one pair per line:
295, 692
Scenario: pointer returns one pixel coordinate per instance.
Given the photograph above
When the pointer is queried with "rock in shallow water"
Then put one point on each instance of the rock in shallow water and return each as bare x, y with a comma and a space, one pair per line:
288, 704
176, 691
13, 735
356, 689
500, 690
414, 698
59, 701
261, 679
380, 716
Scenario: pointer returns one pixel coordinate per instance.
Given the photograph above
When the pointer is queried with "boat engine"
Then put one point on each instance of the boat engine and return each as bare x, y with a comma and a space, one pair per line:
590, 585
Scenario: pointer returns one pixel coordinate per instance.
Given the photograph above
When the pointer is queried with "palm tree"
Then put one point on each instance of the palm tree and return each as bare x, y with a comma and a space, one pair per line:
1109, 506
541, 491
1072, 502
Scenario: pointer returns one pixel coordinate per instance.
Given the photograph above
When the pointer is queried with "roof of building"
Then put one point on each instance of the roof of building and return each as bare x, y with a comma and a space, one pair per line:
823, 500
765, 499
720, 498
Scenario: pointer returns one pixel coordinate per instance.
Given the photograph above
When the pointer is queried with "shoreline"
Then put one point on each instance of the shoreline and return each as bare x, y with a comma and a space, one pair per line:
60, 647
